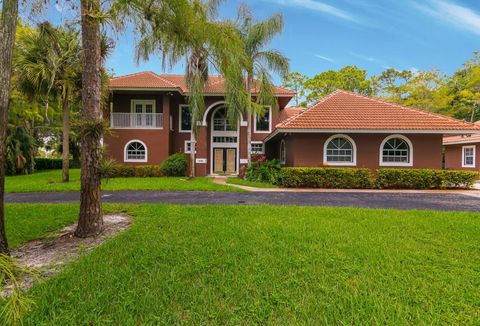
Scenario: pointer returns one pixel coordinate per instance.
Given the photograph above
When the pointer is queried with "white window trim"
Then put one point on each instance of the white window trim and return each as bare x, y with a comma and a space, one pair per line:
125, 158
257, 142
133, 102
380, 152
269, 122
282, 144
325, 162
185, 146
180, 107
474, 147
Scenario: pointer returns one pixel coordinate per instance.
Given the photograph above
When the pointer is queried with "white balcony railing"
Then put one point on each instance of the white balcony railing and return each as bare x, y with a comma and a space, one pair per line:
136, 120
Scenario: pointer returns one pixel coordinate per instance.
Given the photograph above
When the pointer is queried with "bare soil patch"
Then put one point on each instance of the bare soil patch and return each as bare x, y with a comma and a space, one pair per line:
49, 255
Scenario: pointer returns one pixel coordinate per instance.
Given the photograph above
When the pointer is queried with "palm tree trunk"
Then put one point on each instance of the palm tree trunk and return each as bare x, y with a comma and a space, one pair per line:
249, 118
66, 139
8, 24
90, 220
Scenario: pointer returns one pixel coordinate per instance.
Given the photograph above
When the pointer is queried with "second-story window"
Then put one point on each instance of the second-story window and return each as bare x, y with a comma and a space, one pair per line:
185, 116
263, 121
143, 113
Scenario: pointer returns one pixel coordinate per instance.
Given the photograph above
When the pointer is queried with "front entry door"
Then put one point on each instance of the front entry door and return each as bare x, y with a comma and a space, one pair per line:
225, 160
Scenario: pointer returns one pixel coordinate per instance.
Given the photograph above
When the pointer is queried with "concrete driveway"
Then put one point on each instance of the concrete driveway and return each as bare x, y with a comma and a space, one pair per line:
374, 199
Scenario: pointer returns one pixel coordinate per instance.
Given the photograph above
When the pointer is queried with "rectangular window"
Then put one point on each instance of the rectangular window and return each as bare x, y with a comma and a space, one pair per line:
185, 116
257, 147
188, 147
263, 122
143, 113
224, 139
468, 156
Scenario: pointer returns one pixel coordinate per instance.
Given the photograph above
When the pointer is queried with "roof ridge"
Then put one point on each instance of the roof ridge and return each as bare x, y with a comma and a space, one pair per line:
151, 73
405, 107
287, 121
166, 80
133, 74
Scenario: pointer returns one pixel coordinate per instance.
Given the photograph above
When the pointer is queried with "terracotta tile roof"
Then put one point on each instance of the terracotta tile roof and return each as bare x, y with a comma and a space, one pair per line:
288, 113
462, 139
146, 79
149, 79
343, 110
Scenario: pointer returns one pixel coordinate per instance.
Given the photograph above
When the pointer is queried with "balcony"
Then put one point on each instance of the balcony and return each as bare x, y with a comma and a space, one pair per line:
136, 120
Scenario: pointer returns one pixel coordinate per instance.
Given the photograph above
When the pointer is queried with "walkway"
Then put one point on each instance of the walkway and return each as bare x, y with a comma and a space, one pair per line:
446, 201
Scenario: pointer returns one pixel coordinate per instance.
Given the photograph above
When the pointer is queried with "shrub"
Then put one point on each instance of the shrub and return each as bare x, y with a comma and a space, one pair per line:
47, 164
263, 171
52, 164
111, 169
425, 179
20, 148
325, 178
175, 165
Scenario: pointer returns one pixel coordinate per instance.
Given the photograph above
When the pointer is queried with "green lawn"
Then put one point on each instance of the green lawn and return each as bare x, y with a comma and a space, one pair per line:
242, 182
268, 265
50, 181
30, 222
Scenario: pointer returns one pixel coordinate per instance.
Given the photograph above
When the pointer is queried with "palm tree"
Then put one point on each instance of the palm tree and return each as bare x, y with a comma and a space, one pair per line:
261, 61
8, 24
48, 63
90, 221
204, 42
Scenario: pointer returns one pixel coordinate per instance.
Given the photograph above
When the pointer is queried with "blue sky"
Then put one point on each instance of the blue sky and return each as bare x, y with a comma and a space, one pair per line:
373, 34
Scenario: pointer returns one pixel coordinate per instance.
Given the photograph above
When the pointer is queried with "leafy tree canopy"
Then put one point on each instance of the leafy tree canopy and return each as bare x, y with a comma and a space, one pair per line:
457, 95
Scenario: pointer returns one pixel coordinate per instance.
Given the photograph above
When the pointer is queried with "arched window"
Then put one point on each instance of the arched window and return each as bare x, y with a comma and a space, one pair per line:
221, 121
135, 151
283, 152
396, 150
340, 150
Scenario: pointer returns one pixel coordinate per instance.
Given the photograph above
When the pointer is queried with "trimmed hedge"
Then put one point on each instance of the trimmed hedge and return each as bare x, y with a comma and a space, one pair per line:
353, 178
128, 171
425, 179
52, 164
348, 178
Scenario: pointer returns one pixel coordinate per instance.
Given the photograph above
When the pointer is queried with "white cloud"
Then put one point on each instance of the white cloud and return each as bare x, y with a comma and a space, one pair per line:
452, 13
324, 58
317, 6
363, 57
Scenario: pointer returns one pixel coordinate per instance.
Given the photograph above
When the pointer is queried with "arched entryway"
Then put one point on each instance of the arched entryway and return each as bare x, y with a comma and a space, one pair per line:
224, 140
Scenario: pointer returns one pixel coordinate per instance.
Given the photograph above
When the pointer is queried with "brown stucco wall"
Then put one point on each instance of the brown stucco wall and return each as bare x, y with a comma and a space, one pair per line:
306, 150
169, 140
453, 157
156, 140
122, 101
156, 145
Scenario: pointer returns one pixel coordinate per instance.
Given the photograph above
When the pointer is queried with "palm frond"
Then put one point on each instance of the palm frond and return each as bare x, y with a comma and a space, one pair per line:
262, 33
266, 94
275, 61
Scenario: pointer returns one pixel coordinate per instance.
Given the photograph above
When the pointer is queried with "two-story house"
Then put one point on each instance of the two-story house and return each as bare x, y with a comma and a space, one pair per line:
151, 120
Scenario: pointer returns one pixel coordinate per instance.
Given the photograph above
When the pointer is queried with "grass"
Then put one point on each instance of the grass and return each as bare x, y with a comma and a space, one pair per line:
242, 182
50, 181
269, 265
31, 222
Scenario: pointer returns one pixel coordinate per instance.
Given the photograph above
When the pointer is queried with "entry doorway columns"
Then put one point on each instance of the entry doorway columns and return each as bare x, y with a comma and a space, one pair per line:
201, 164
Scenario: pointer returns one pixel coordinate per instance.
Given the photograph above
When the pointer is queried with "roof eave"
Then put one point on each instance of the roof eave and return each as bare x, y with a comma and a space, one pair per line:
378, 131
151, 89
460, 142
156, 89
